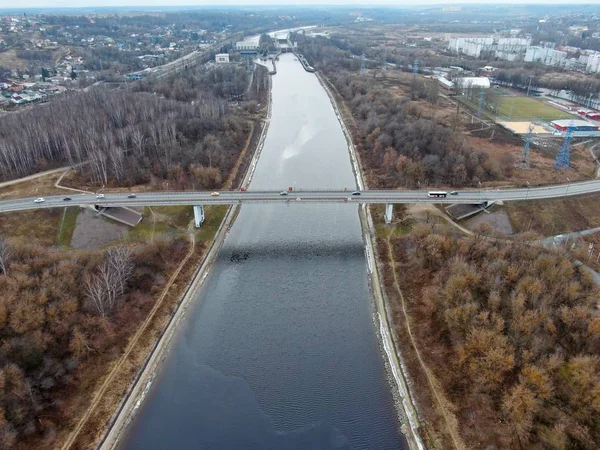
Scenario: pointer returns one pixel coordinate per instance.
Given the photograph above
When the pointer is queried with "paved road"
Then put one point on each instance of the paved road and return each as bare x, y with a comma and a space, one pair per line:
300, 196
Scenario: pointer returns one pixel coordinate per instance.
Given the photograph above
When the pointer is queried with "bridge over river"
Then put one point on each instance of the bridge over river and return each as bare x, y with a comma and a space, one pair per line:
198, 199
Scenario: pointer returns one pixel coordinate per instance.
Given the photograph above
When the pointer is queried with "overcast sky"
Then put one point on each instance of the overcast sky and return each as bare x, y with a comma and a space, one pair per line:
111, 3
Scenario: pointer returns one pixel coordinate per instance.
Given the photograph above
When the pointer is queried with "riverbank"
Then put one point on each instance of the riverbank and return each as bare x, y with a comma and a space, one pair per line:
396, 368
129, 405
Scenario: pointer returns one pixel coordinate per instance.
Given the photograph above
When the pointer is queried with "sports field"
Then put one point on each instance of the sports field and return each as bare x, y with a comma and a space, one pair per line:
528, 108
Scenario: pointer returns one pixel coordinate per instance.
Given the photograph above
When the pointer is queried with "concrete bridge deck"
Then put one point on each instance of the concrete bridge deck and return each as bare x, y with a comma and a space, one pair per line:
308, 196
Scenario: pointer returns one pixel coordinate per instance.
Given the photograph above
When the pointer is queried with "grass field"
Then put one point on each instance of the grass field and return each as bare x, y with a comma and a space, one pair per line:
529, 108
67, 225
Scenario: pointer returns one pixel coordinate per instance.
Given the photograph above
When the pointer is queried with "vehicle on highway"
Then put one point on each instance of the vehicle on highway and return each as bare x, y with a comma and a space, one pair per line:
99, 196
214, 194
356, 193
453, 192
66, 199
283, 193
437, 194
298, 199
39, 200
131, 196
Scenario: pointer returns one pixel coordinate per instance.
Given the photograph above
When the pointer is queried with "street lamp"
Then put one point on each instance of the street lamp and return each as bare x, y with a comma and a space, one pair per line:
527, 195
568, 185
479, 190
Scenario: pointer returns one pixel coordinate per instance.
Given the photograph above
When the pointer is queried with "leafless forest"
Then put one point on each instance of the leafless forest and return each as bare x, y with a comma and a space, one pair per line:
511, 332
398, 145
66, 315
130, 137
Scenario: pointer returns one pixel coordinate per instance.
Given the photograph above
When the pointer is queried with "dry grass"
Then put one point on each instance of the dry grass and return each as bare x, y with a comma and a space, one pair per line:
37, 187
552, 217
10, 59
35, 227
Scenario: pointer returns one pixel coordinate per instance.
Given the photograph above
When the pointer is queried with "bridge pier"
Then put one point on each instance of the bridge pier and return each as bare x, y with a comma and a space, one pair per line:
389, 212
198, 215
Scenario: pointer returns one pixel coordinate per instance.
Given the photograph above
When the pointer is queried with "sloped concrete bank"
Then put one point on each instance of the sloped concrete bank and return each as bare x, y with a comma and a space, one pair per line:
395, 365
135, 396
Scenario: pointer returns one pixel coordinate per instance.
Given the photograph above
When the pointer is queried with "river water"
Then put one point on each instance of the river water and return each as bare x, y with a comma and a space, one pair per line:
280, 351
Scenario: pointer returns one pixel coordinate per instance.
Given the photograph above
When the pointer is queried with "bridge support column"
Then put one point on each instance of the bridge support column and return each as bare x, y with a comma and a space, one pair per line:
389, 212
198, 215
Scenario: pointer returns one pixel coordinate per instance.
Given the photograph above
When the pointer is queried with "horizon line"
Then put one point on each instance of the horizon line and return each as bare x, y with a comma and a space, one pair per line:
312, 5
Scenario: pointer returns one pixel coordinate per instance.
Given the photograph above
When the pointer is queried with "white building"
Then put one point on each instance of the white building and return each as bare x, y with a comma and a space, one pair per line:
510, 49
590, 59
546, 56
222, 58
248, 45
473, 82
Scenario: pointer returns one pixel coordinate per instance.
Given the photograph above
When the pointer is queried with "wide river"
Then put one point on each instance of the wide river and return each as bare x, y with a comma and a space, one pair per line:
279, 351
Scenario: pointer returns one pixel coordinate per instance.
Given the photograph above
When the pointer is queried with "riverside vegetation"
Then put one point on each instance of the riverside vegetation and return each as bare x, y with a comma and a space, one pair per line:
63, 316
511, 333
67, 315
507, 332
397, 144
192, 138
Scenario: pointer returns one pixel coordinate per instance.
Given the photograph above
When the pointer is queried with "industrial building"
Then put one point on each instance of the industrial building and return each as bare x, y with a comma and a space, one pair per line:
574, 125
222, 58
590, 114
473, 82
446, 83
248, 46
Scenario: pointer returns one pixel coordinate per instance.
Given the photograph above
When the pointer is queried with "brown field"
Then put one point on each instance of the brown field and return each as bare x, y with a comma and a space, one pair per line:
37, 187
552, 217
10, 59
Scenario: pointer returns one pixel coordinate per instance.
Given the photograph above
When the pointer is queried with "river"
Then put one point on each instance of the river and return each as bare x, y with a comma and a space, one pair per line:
279, 351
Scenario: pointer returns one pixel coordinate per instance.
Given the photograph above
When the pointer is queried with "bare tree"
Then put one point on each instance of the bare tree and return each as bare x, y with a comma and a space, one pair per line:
104, 289
119, 261
5, 255
96, 294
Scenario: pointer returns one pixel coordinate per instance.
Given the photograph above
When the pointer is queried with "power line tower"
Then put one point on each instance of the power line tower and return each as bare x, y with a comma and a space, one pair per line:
416, 67
563, 158
525, 161
362, 65
384, 63
480, 108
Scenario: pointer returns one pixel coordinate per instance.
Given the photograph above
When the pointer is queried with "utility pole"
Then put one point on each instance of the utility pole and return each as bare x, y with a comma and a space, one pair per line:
563, 157
525, 154
480, 103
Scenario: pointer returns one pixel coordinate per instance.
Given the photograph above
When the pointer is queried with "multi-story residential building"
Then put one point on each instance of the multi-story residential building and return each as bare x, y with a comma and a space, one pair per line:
592, 62
546, 56
510, 49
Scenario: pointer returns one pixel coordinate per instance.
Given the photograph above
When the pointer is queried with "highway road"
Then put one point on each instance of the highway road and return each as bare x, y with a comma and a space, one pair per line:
301, 196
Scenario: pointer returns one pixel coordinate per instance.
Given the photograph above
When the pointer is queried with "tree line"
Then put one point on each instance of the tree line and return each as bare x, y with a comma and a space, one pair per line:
512, 333
129, 137
398, 145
